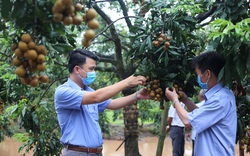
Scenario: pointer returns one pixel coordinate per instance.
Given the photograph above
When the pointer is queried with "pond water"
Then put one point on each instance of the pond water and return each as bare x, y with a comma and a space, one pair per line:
147, 147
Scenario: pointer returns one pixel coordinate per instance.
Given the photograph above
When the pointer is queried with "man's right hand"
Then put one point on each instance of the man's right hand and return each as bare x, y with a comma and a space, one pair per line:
134, 81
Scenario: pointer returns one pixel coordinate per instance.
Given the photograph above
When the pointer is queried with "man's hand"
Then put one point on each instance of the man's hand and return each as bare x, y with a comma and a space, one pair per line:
167, 128
171, 95
134, 81
142, 94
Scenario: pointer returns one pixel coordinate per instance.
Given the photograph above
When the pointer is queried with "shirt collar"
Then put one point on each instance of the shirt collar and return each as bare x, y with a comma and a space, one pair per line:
73, 84
213, 90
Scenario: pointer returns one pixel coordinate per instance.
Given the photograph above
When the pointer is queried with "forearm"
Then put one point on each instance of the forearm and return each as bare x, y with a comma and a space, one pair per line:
182, 113
189, 104
104, 93
122, 101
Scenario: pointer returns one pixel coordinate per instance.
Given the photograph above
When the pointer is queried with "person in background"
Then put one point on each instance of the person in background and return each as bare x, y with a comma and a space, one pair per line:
78, 106
201, 99
177, 132
215, 122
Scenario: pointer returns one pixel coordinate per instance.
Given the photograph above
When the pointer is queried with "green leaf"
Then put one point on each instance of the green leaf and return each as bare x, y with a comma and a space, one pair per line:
20, 8
62, 48
6, 6
149, 42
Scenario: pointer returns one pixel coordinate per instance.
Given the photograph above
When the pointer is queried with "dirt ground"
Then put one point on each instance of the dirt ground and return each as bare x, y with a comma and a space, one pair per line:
117, 132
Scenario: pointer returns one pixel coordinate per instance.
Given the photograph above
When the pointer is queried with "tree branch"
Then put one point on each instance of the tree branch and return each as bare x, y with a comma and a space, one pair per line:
125, 13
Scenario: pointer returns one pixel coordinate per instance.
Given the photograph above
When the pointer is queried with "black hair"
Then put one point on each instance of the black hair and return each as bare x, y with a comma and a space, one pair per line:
210, 60
78, 57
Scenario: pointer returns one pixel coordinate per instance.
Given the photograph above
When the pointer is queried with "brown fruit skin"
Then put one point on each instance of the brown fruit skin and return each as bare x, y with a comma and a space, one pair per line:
34, 82
20, 71
168, 38
160, 39
41, 50
67, 20
91, 14
84, 17
26, 38
44, 78
18, 53
67, 2
31, 45
16, 62
58, 7
86, 43
93, 24
167, 44
58, 17
13, 47
40, 58
25, 80
78, 7
31, 54
89, 34
41, 67
77, 20
22, 46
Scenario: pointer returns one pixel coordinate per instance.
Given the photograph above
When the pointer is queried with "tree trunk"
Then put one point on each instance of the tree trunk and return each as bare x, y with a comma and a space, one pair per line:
162, 135
131, 130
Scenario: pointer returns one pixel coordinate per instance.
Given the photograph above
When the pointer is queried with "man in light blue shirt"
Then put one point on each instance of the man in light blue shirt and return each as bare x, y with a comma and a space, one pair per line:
78, 106
215, 122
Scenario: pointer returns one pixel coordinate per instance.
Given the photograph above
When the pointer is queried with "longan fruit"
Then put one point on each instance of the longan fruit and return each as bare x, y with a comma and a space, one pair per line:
22, 46
58, 17
18, 53
78, 7
67, 20
31, 45
26, 38
16, 62
31, 54
77, 20
34, 82
44, 78
93, 24
89, 34
40, 58
91, 14
41, 67
20, 71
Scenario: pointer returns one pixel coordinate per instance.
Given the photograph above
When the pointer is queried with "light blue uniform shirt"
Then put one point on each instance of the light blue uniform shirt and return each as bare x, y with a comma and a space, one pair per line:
215, 123
79, 123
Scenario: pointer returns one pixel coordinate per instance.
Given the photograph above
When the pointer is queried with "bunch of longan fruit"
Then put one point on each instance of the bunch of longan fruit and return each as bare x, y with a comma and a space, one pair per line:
29, 58
92, 23
65, 11
245, 141
154, 89
178, 89
162, 39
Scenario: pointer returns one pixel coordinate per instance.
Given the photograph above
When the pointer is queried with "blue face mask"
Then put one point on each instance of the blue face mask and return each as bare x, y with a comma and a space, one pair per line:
201, 84
90, 77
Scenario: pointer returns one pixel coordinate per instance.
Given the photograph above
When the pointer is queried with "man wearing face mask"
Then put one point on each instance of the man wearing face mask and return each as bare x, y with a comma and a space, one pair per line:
214, 123
78, 105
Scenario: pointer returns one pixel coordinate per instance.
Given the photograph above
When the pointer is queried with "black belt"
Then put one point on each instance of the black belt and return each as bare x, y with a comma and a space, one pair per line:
177, 126
83, 149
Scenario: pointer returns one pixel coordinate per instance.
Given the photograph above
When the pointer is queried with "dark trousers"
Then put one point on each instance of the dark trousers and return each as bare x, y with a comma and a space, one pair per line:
178, 140
66, 152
